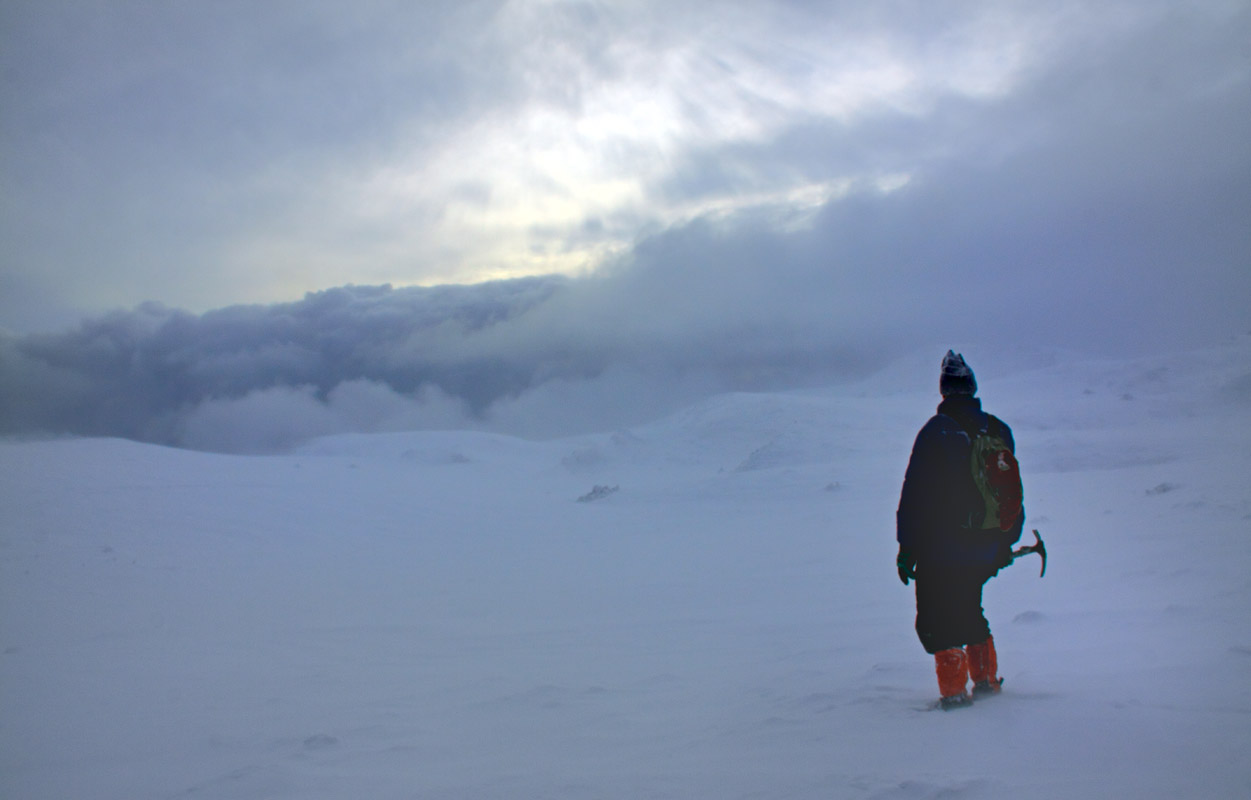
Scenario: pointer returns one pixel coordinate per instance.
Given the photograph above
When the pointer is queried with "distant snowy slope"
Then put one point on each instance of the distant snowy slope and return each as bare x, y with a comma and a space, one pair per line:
435, 615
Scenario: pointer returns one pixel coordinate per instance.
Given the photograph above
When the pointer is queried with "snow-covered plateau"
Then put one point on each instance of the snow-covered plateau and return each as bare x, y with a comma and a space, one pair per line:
435, 615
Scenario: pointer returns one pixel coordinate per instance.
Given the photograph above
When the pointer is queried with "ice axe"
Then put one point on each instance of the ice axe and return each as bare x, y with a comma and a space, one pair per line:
1038, 547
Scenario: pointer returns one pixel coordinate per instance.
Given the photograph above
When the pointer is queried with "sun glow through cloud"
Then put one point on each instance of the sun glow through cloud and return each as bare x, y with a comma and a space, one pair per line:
210, 154
563, 182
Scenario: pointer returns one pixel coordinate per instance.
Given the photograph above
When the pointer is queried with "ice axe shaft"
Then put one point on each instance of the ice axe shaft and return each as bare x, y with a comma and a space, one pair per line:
1038, 547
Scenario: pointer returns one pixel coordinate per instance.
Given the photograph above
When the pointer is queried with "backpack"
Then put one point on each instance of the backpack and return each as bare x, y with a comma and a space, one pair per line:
998, 479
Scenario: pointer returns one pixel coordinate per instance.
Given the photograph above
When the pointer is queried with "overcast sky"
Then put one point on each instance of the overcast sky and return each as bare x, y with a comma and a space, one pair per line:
730, 188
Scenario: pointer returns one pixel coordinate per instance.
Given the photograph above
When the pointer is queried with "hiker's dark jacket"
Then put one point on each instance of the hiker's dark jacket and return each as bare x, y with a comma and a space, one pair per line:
939, 497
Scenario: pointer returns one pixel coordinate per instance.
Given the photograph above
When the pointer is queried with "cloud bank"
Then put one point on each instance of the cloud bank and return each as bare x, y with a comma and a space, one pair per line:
732, 200
531, 356
722, 303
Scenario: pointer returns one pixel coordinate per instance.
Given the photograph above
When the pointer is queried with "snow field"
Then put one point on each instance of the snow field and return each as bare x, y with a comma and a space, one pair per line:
434, 615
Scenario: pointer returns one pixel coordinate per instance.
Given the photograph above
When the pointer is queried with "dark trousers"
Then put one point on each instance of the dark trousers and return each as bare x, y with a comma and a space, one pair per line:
949, 607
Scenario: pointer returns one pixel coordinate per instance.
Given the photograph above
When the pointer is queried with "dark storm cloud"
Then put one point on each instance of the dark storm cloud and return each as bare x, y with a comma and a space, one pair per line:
538, 355
145, 373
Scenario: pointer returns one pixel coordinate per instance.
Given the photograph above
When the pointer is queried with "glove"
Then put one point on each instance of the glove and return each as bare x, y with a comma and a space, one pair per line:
1005, 555
907, 565
1002, 559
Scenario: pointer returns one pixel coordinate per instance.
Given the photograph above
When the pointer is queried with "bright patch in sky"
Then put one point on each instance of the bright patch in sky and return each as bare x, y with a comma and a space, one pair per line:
572, 176
208, 154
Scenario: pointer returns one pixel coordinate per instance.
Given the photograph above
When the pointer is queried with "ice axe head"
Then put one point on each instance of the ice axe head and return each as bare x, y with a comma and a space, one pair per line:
1039, 548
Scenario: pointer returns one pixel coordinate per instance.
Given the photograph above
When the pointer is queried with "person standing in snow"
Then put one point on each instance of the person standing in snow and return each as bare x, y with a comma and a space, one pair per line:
946, 543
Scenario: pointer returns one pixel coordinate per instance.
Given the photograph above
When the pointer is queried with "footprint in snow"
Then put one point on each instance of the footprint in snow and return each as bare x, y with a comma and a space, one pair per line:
1029, 617
320, 741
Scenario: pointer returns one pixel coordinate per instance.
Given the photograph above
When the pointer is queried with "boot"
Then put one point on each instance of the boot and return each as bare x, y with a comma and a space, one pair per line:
952, 667
984, 668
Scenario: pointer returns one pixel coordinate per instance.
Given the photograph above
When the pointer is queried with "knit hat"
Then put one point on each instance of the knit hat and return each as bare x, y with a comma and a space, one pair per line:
956, 377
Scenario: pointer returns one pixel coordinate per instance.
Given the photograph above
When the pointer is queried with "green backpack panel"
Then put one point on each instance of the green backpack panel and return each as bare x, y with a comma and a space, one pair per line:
998, 479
